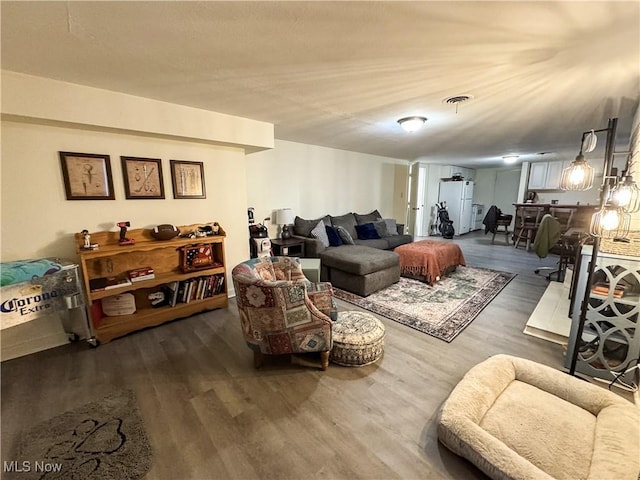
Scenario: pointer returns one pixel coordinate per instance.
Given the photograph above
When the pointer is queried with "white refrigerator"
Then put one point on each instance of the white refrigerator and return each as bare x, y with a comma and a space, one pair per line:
459, 198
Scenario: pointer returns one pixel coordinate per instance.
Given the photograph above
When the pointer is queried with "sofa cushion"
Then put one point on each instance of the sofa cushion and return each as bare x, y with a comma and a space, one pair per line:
397, 240
346, 238
379, 243
303, 227
320, 233
346, 221
367, 231
334, 237
392, 226
368, 217
358, 259
381, 228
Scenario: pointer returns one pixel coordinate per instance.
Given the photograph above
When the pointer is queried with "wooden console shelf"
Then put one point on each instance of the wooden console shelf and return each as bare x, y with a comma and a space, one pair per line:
186, 291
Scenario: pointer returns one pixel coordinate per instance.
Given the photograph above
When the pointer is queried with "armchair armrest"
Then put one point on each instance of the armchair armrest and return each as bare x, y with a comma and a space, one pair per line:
321, 295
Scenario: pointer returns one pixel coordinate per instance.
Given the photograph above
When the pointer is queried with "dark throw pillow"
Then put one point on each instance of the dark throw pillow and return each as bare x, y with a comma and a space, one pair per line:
334, 237
367, 231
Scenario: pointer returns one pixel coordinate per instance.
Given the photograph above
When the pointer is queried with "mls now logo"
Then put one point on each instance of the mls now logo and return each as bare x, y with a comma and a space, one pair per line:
28, 466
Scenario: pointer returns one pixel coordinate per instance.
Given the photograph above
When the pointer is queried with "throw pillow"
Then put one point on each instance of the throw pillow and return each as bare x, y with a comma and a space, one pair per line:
345, 236
303, 227
392, 226
320, 233
368, 217
347, 221
334, 237
381, 228
367, 231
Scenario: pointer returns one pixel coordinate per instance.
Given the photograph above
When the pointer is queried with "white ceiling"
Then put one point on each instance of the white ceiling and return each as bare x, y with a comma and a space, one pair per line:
339, 74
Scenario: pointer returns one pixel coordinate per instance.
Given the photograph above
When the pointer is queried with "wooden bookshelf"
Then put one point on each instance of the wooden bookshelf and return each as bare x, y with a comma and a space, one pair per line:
166, 259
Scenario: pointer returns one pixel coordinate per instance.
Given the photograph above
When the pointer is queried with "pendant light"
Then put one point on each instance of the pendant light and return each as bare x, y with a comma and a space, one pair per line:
610, 222
578, 176
626, 193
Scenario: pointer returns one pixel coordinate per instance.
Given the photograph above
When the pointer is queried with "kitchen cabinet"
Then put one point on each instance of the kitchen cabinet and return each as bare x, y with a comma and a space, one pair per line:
545, 175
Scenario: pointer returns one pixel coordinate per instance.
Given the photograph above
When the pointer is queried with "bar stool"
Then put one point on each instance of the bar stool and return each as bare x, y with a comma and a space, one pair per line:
503, 221
529, 222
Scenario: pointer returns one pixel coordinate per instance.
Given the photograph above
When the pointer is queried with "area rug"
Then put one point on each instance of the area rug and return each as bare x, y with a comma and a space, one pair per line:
442, 310
100, 440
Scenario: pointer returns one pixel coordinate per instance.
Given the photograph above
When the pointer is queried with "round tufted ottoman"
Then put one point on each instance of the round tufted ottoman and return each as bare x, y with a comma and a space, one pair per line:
358, 339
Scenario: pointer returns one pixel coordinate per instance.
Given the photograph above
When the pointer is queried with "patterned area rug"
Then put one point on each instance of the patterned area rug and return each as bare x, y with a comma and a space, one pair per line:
101, 440
441, 311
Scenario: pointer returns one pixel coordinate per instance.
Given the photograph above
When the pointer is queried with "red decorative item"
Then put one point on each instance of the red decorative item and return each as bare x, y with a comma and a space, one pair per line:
197, 257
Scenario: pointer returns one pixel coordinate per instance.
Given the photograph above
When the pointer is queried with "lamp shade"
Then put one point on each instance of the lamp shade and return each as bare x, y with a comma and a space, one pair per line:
284, 216
610, 222
626, 195
577, 176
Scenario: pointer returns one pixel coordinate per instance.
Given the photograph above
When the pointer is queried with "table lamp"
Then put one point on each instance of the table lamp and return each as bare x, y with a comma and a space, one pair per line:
284, 217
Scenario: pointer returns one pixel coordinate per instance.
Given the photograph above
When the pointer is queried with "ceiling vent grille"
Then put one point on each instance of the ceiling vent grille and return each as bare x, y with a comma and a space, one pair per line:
455, 100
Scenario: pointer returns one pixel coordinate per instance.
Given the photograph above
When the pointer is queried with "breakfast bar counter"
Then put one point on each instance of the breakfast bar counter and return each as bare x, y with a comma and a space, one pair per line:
580, 221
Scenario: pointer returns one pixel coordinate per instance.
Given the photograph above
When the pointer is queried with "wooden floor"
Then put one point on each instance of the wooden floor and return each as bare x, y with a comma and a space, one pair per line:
210, 415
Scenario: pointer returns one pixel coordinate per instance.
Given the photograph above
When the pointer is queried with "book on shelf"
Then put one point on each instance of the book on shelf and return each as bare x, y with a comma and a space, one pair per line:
604, 288
140, 274
192, 289
107, 283
172, 293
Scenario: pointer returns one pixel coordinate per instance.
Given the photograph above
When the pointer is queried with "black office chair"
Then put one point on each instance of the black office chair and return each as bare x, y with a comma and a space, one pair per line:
555, 236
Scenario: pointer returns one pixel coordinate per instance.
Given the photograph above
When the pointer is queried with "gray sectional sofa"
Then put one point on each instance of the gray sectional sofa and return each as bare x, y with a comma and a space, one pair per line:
389, 236
354, 249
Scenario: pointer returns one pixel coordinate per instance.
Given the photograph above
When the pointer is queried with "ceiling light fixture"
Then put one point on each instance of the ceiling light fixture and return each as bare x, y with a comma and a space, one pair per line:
510, 158
412, 124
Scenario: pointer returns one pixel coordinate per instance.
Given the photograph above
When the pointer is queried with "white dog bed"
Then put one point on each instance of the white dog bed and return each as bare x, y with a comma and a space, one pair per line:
517, 419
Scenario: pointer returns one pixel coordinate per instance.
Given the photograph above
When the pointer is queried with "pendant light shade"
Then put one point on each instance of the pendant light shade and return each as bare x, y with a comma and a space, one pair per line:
610, 222
626, 195
412, 124
577, 176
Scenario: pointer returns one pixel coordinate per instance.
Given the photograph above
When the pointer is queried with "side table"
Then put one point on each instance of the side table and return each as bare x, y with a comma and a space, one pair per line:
311, 269
291, 247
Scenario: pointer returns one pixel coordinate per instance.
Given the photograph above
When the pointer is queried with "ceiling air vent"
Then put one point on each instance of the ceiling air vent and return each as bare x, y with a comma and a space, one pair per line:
456, 100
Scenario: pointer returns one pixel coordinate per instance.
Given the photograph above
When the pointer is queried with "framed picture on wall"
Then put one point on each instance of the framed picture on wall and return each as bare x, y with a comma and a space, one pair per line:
188, 179
142, 178
87, 176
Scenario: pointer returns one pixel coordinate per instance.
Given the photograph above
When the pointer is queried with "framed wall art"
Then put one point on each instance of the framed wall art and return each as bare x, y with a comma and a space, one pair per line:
87, 176
188, 179
142, 178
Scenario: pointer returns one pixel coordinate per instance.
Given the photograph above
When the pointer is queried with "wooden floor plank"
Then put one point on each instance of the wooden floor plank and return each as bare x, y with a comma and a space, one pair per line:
209, 414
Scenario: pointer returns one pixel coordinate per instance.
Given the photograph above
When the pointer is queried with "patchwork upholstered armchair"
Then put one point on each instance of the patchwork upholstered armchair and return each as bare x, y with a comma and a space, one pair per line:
281, 312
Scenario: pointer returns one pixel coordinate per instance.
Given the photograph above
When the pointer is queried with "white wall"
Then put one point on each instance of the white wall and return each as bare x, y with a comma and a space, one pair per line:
315, 181
38, 221
497, 186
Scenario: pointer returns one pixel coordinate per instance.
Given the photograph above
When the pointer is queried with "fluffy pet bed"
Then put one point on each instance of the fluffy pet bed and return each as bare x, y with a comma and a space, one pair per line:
517, 419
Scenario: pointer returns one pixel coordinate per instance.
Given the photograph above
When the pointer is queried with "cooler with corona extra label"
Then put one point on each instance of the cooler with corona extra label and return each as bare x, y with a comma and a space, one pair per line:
53, 289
